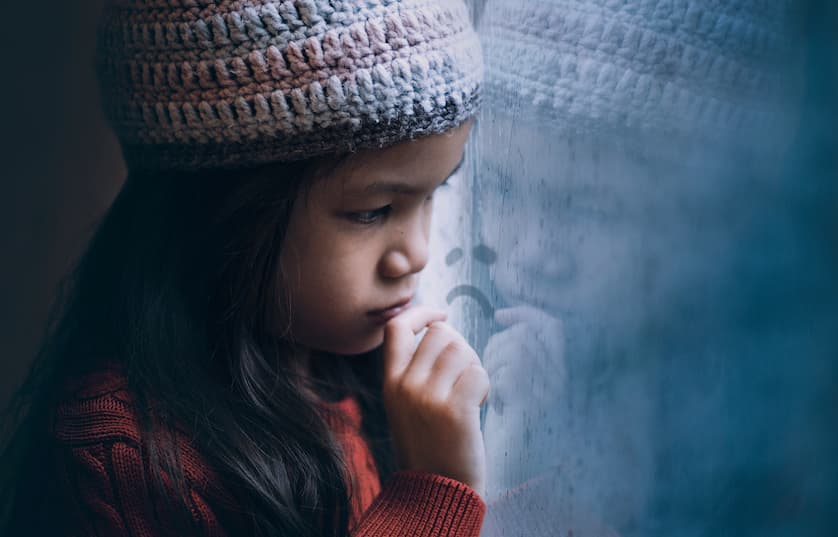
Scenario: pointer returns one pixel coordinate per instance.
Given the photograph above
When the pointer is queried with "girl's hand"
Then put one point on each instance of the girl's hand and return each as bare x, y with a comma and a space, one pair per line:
432, 396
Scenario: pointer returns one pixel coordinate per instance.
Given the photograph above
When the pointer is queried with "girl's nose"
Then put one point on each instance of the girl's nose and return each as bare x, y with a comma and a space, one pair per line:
408, 254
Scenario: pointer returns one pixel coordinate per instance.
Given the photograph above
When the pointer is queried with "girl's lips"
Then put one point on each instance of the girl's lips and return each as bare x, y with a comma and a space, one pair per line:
382, 316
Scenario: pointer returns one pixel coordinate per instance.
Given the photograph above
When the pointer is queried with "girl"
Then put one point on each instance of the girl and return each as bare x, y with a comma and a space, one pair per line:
235, 353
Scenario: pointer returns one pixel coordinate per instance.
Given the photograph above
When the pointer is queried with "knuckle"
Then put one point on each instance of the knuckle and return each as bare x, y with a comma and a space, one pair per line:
477, 369
416, 389
448, 356
399, 387
390, 389
432, 400
451, 413
461, 354
453, 348
407, 386
475, 376
438, 329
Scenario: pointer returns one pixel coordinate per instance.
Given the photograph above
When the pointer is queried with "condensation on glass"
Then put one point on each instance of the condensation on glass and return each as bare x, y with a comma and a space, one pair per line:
619, 250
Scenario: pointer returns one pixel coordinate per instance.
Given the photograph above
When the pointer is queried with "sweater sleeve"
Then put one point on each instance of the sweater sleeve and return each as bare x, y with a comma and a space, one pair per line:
110, 498
102, 475
419, 504
107, 494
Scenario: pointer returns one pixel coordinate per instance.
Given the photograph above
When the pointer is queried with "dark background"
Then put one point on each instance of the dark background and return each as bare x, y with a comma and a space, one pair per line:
61, 166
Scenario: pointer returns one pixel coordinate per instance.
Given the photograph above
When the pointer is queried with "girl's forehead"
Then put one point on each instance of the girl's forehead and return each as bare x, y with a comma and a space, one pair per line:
378, 179
408, 168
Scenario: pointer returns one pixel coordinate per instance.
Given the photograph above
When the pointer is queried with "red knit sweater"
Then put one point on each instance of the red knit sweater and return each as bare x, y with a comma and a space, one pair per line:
100, 466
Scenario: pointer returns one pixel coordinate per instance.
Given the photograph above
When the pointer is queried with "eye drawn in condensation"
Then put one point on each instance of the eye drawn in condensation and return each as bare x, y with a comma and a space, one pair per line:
483, 254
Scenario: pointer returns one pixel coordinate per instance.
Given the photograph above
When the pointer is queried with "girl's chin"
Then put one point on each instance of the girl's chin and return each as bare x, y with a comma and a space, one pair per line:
353, 348
367, 347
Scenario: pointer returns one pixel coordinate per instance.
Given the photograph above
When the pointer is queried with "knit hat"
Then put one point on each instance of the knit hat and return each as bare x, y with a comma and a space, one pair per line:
192, 84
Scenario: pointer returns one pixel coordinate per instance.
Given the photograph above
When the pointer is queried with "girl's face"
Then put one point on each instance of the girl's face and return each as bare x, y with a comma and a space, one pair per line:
357, 241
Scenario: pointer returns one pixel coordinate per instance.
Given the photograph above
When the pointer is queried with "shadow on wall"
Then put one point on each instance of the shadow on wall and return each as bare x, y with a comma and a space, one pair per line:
61, 166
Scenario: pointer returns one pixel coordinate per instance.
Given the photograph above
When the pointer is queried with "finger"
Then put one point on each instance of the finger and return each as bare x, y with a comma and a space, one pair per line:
471, 387
444, 373
399, 337
440, 335
448, 365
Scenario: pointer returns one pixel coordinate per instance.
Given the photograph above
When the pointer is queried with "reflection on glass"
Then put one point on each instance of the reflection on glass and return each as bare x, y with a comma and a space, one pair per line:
619, 250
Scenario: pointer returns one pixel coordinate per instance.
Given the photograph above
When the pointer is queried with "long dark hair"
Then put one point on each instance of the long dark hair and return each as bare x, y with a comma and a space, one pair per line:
181, 288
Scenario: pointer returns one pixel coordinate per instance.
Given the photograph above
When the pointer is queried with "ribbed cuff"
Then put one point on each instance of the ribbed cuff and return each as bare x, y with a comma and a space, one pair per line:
420, 504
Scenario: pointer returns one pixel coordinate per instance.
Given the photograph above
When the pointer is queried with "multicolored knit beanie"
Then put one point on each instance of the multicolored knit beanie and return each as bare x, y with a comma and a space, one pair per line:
195, 84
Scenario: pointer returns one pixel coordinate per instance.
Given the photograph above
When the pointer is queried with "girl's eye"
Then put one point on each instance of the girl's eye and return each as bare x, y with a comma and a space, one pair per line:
370, 217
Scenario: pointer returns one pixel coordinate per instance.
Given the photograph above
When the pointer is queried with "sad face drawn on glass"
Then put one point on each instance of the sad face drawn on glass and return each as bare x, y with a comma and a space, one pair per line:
482, 254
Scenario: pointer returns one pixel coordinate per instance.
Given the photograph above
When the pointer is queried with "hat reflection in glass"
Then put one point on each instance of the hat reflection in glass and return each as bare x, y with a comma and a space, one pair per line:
599, 118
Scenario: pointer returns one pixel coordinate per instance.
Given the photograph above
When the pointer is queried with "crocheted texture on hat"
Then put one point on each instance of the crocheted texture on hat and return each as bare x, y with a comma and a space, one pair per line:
191, 84
699, 69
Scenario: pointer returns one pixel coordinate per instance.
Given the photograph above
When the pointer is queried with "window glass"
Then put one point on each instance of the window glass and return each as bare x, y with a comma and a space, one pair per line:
631, 251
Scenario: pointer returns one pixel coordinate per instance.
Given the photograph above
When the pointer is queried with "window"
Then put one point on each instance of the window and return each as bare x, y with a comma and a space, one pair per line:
630, 250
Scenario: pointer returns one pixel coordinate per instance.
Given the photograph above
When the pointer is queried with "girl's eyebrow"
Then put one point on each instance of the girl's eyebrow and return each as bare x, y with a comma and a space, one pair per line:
396, 187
